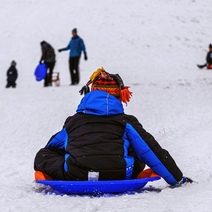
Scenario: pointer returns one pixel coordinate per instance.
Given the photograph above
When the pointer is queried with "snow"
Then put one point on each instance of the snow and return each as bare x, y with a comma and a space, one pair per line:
154, 46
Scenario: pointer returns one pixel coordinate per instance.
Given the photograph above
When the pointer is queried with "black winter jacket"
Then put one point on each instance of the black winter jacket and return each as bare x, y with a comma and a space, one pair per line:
12, 74
48, 53
209, 58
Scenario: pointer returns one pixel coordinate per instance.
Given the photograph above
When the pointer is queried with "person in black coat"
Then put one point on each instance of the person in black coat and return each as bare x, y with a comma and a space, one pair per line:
208, 63
101, 139
48, 57
12, 75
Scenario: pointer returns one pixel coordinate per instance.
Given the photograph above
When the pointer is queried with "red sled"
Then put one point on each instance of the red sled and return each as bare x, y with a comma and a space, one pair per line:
209, 66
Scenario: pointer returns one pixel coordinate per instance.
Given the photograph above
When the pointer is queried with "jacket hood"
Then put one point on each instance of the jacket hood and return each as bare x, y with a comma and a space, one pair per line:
100, 103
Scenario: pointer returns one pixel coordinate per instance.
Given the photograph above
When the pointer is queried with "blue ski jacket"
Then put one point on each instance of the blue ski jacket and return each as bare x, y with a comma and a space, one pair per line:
76, 47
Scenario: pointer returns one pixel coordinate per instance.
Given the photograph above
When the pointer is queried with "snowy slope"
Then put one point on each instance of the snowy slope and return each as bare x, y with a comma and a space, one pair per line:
154, 46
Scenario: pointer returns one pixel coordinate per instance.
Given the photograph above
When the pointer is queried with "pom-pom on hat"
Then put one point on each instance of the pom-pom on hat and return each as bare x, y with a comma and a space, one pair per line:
110, 83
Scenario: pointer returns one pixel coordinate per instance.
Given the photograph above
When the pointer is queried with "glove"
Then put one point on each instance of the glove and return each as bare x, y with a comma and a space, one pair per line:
84, 90
85, 57
40, 61
59, 50
186, 180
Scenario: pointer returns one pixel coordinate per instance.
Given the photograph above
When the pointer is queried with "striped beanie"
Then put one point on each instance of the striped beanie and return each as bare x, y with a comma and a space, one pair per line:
110, 83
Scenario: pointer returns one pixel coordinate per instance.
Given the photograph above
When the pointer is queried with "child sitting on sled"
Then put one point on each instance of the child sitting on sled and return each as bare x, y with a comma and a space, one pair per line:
101, 139
208, 63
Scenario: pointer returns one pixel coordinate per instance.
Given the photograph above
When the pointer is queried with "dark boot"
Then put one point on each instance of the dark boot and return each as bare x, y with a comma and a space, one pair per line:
201, 66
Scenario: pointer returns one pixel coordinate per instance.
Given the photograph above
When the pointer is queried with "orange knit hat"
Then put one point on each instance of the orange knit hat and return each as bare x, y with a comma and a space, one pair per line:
111, 83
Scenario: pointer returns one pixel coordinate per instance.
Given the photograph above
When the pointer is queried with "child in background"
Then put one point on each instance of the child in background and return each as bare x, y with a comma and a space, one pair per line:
12, 75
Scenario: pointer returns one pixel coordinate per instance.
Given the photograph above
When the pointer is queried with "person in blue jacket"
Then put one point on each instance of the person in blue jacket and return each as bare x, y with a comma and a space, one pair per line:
76, 47
100, 138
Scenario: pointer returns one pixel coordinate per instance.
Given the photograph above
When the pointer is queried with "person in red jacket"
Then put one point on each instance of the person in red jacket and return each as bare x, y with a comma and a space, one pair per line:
100, 138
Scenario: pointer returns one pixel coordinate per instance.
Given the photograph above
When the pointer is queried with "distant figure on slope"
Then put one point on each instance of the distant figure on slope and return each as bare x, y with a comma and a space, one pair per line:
208, 63
12, 75
48, 57
76, 46
100, 138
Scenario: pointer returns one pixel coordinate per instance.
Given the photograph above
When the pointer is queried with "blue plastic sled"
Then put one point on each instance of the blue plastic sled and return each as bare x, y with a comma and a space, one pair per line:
40, 71
97, 187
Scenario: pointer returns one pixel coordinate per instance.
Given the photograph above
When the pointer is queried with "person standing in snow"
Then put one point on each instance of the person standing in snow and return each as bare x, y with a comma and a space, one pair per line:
48, 57
12, 75
101, 138
208, 63
76, 47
